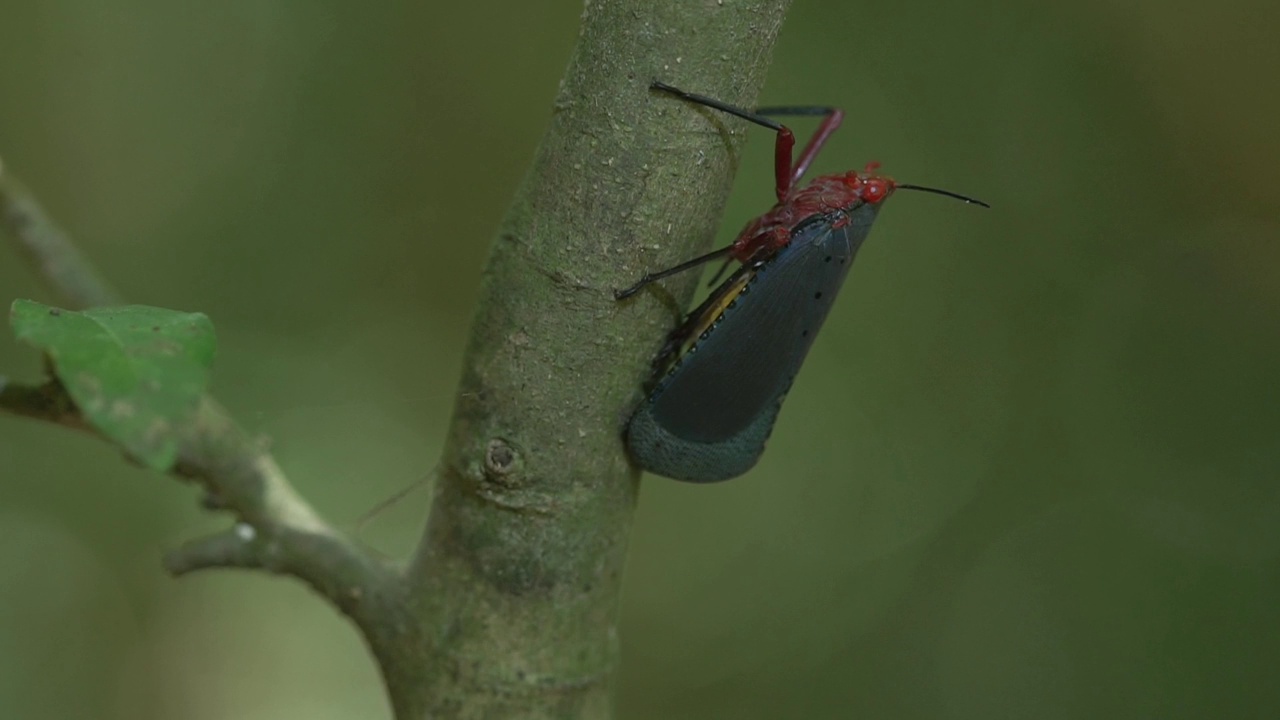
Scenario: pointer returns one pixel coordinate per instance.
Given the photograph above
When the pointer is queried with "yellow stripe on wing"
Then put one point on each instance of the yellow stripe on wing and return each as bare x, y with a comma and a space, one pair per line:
725, 296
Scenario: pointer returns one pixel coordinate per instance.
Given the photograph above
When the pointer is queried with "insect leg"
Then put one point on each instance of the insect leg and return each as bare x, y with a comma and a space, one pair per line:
782, 147
687, 265
831, 119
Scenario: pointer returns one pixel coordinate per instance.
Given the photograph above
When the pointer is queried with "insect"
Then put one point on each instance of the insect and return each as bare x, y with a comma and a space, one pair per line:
720, 378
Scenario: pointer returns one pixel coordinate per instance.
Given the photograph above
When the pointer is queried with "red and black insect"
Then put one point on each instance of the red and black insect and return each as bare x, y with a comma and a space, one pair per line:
723, 373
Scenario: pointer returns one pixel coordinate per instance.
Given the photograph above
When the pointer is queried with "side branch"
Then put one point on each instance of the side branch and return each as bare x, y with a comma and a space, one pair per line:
359, 586
277, 530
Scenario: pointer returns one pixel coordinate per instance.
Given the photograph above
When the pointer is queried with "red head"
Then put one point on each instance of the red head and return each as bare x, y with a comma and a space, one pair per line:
873, 188
868, 185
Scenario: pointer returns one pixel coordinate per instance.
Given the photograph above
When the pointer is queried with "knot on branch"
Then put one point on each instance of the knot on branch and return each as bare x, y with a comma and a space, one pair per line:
503, 464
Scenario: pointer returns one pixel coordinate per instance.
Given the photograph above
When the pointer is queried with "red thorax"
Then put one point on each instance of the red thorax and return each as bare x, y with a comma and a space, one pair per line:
827, 194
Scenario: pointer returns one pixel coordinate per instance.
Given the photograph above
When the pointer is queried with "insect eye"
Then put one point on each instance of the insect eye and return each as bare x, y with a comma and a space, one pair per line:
873, 190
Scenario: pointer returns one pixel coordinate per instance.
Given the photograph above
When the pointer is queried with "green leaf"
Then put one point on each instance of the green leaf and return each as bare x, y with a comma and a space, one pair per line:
136, 373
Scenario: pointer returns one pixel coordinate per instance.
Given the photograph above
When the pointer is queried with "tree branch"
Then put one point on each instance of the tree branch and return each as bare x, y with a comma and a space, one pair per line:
518, 575
510, 605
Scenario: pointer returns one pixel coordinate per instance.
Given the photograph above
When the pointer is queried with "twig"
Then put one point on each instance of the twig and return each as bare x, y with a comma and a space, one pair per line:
277, 530
354, 582
46, 402
48, 248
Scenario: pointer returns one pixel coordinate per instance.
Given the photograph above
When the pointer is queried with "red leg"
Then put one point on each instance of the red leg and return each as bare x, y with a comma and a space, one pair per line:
785, 173
783, 178
829, 125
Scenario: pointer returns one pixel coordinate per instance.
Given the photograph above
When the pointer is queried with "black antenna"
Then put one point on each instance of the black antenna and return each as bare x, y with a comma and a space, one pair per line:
948, 193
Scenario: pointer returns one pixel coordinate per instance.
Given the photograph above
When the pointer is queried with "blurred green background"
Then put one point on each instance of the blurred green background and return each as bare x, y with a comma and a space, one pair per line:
1030, 469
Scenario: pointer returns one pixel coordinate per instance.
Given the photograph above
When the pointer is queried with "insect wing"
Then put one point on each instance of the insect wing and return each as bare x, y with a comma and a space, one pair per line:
709, 418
